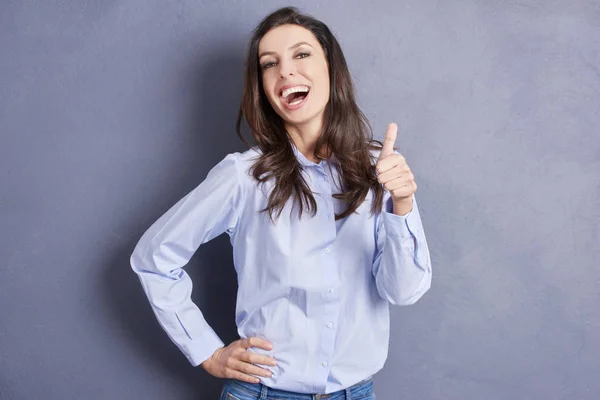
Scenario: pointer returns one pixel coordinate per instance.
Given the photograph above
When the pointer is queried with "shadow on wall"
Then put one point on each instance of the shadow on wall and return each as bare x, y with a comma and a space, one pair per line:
213, 108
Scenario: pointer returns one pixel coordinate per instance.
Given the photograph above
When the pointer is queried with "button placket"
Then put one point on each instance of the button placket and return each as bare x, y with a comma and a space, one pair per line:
330, 306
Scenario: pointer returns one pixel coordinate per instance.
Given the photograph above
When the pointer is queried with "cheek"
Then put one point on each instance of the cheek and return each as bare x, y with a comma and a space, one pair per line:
267, 87
324, 83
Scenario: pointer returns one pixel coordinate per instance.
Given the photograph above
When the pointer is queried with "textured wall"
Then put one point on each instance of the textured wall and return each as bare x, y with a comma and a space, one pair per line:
110, 111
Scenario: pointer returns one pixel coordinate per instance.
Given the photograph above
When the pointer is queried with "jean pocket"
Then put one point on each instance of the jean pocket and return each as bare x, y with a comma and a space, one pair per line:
233, 392
365, 391
365, 397
237, 395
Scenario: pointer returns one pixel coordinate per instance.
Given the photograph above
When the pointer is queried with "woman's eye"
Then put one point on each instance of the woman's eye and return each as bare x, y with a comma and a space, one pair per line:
272, 63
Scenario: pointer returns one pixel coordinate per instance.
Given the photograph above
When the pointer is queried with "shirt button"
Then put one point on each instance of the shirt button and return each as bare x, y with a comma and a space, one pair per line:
328, 250
331, 290
324, 363
330, 325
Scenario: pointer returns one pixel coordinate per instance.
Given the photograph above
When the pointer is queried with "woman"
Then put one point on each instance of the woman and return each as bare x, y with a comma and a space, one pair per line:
324, 226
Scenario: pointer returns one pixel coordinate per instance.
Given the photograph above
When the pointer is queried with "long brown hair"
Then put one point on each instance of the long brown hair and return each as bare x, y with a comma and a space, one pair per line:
346, 131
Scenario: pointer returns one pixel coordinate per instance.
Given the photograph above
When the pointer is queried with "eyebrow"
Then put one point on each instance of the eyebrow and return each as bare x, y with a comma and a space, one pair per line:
266, 53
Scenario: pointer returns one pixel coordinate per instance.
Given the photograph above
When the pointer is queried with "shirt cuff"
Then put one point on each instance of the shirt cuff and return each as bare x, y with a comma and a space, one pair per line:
208, 343
402, 226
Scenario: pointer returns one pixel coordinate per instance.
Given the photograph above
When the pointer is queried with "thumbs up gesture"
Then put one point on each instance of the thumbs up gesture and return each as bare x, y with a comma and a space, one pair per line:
394, 173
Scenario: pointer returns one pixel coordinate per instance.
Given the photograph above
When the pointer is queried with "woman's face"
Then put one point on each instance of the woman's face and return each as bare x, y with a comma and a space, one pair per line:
295, 74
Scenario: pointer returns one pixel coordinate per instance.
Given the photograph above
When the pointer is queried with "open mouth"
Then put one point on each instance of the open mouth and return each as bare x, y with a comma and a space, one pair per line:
294, 95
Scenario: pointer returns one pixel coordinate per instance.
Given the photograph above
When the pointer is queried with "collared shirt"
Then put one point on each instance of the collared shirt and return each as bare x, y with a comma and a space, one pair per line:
318, 289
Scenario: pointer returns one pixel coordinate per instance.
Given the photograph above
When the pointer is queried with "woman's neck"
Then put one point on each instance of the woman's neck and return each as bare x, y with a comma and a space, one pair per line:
305, 138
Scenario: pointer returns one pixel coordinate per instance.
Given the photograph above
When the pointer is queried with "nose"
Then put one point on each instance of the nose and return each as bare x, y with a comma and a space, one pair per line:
286, 68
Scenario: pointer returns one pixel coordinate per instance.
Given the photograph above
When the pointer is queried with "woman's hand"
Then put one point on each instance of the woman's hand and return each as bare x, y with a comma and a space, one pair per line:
235, 362
395, 175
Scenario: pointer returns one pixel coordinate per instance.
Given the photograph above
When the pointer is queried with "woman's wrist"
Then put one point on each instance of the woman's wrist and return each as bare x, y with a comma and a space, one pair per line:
404, 206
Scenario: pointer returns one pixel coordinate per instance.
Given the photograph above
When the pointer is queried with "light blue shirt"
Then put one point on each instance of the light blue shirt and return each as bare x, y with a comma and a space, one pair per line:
318, 289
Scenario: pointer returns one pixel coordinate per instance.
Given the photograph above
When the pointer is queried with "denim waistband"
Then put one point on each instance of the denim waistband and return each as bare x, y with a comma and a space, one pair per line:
257, 389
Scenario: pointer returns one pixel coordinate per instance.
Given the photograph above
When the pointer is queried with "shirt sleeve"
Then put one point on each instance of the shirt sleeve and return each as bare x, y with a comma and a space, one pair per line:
402, 264
159, 256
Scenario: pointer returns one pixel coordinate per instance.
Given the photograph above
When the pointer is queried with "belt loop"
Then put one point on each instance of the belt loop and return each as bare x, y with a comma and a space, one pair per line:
263, 392
348, 395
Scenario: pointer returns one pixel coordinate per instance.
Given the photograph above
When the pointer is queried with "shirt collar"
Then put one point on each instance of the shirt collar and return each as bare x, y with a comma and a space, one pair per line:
305, 161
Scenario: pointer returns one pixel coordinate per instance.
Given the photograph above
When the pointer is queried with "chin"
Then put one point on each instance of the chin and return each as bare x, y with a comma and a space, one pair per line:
306, 117
299, 120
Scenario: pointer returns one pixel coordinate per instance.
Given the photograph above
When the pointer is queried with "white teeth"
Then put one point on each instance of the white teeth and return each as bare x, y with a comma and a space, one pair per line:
294, 89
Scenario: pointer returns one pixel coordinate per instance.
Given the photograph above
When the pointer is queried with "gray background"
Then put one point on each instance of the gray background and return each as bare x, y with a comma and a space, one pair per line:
111, 111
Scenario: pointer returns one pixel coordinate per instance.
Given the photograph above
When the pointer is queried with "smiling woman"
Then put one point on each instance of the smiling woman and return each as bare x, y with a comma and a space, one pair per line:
299, 98
313, 290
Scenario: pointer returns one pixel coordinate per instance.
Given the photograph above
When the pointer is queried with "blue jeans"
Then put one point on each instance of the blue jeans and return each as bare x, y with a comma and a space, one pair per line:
240, 390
